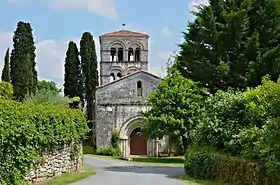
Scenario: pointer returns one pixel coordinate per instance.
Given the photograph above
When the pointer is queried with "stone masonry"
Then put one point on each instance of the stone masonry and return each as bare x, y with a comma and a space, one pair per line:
55, 162
121, 97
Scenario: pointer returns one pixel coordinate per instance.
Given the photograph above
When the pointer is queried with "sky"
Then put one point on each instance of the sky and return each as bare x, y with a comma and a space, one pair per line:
56, 22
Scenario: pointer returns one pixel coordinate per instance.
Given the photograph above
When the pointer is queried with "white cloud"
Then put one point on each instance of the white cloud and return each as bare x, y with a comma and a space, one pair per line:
164, 55
194, 3
166, 32
157, 70
105, 8
50, 56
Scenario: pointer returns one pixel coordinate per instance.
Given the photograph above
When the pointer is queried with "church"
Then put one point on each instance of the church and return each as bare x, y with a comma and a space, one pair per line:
124, 87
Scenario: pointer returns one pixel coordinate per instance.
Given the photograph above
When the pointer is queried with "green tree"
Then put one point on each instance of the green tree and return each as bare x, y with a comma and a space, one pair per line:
6, 90
6, 70
72, 72
48, 86
23, 72
232, 43
176, 107
90, 74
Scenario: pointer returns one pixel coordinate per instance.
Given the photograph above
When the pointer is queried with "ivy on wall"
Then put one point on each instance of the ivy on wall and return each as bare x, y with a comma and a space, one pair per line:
27, 128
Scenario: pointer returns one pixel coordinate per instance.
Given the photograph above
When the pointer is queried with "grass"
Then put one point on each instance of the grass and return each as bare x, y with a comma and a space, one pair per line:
191, 181
160, 161
68, 178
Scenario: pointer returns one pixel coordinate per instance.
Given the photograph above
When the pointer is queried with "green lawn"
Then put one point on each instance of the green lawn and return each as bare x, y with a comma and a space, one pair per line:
68, 178
192, 181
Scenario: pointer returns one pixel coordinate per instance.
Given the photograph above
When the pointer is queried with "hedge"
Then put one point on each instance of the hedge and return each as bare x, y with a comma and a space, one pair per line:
206, 164
27, 128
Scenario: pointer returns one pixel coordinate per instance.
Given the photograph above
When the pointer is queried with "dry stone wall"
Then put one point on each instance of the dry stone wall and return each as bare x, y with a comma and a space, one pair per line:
55, 162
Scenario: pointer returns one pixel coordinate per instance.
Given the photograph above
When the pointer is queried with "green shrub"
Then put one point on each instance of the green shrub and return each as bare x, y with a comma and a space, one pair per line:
108, 151
27, 128
115, 140
6, 90
200, 163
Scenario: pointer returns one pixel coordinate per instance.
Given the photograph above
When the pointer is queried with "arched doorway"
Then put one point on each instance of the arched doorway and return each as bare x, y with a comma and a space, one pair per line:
138, 143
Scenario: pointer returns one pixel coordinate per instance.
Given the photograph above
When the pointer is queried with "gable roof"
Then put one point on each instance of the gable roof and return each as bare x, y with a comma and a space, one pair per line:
124, 33
136, 72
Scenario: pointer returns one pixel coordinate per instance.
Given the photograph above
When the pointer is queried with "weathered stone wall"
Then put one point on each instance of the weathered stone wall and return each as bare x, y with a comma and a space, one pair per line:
118, 102
55, 162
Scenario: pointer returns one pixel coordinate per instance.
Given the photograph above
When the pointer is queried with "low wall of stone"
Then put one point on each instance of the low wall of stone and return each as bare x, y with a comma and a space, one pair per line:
55, 162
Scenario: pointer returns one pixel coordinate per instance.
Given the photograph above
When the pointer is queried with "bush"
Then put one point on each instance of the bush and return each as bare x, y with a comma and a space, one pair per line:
27, 128
46, 96
200, 163
108, 151
6, 90
205, 164
115, 140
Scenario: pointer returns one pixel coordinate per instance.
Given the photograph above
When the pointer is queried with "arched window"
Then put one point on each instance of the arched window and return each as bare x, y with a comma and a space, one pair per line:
139, 88
137, 54
119, 75
112, 77
120, 54
130, 54
113, 54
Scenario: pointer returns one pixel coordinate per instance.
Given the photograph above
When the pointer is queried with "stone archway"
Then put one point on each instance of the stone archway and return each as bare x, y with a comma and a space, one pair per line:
138, 143
131, 128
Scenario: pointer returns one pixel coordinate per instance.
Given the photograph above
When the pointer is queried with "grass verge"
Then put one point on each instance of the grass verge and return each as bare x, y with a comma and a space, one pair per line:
68, 178
191, 181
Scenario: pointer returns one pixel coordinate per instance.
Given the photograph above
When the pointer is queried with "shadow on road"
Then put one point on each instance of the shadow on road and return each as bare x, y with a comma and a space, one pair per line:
165, 170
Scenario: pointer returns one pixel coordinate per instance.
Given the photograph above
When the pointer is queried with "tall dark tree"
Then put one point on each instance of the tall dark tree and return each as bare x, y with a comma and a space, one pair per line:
90, 73
6, 75
232, 43
23, 72
72, 75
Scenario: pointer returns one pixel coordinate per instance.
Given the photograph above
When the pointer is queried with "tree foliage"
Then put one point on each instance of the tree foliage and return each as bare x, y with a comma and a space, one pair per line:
90, 72
6, 90
72, 78
176, 107
23, 72
232, 44
48, 86
6, 76
28, 128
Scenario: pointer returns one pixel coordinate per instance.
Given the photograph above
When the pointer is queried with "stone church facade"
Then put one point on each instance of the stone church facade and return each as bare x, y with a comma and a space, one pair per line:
121, 97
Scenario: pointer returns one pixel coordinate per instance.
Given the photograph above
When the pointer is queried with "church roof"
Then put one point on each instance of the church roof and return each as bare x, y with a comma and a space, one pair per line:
136, 72
124, 33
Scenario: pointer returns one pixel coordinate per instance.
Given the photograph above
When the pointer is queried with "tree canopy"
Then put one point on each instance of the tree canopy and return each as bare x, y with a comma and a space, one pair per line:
232, 44
6, 76
23, 72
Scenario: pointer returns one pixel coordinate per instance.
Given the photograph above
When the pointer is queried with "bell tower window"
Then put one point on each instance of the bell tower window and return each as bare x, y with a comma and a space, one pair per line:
130, 54
137, 54
113, 54
112, 77
119, 75
120, 54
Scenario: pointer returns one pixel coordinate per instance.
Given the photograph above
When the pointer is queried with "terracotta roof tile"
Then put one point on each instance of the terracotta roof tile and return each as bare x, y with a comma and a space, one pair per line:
124, 33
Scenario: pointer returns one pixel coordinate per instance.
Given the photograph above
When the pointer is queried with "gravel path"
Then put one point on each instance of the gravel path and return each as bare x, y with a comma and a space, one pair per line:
111, 172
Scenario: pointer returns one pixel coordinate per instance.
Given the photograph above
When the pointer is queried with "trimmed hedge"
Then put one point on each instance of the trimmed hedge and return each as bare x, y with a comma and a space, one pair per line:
205, 164
108, 151
27, 128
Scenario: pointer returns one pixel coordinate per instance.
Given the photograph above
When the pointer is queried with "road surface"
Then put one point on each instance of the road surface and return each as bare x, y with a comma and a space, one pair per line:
113, 172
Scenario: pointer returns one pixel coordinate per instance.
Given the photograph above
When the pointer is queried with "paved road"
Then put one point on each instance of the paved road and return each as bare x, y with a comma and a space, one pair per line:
110, 172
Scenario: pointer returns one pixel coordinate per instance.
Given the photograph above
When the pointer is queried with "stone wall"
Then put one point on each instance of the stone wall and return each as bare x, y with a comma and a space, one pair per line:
55, 162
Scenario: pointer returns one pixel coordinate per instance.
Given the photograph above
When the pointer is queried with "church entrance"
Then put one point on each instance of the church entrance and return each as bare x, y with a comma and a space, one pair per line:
138, 143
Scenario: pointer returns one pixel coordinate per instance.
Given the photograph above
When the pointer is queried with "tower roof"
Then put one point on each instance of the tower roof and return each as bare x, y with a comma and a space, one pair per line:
124, 33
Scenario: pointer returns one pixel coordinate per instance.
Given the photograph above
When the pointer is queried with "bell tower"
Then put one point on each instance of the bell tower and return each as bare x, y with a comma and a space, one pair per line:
122, 53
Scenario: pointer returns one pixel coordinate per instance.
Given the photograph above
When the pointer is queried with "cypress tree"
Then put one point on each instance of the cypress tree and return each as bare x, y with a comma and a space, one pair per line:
6, 70
90, 74
72, 71
23, 72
